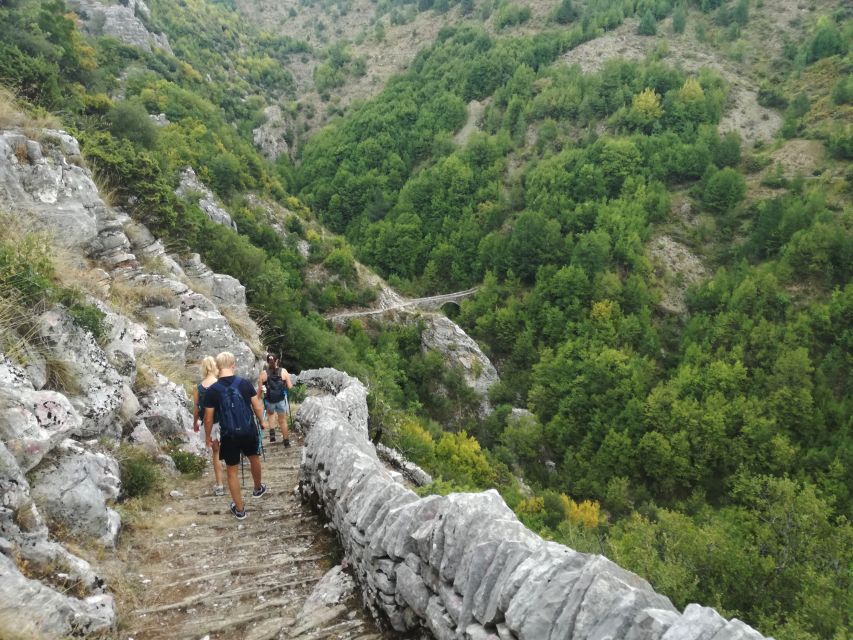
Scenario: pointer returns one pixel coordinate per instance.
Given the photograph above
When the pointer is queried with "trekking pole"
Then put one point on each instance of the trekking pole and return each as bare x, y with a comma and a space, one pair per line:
261, 440
242, 472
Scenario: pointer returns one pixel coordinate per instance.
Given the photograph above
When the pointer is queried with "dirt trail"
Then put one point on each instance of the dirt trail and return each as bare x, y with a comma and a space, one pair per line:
201, 573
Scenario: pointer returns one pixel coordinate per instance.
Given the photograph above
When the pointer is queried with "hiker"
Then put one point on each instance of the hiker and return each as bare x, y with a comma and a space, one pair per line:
209, 374
277, 382
234, 399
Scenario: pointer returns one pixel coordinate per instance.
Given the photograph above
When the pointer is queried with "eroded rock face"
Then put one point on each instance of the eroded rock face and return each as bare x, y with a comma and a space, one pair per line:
271, 136
443, 335
32, 422
91, 382
462, 565
191, 187
73, 485
125, 22
31, 607
45, 181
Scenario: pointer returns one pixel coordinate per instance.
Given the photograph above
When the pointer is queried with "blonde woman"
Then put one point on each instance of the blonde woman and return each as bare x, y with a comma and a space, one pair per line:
209, 374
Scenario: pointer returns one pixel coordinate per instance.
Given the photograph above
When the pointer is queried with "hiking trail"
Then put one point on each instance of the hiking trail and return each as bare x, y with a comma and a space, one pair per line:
195, 571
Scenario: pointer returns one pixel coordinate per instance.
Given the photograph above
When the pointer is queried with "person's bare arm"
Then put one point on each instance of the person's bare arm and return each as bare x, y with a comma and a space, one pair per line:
208, 425
287, 380
258, 408
195, 409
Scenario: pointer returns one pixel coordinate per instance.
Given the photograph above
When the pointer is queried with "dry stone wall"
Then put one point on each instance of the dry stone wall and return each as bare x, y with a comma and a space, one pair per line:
462, 566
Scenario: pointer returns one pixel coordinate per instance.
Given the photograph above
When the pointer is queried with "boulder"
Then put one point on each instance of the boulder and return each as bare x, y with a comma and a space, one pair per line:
443, 335
32, 422
165, 407
32, 607
191, 188
92, 383
73, 486
56, 193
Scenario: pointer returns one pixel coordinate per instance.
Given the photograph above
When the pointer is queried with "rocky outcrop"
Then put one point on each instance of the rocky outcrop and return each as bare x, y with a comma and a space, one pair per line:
67, 399
45, 181
271, 136
191, 188
125, 21
36, 610
446, 337
462, 566
92, 384
73, 486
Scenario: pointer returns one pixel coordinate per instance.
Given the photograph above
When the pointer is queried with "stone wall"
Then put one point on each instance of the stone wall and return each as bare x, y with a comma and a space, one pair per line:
462, 566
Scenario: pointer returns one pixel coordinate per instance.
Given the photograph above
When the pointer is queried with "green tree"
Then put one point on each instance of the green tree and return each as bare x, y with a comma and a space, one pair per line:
679, 18
723, 190
648, 24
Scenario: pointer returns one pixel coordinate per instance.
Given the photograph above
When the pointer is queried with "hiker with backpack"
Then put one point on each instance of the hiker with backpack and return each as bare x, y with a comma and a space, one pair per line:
233, 399
277, 383
209, 374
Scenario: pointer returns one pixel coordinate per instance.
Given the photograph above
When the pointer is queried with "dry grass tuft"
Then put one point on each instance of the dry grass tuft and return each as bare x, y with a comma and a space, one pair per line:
108, 193
198, 286
130, 297
14, 116
21, 153
177, 371
245, 328
60, 375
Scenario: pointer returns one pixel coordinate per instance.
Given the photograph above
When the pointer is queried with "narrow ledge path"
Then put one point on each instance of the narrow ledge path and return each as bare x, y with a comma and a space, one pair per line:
194, 571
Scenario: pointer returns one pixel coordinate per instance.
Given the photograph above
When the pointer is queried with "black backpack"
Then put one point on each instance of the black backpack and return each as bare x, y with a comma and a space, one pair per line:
235, 414
275, 386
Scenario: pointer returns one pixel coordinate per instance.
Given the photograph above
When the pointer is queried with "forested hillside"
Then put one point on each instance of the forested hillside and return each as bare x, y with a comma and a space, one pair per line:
663, 244
711, 437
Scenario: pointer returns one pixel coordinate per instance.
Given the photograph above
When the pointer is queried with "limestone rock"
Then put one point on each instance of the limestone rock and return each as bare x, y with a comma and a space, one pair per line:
166, 408
191, 187
57, 194
443, 335
30, 606
95, 385
142, 437
334, 587
125, 21
125, 341
32, 422
271, 136
73, 486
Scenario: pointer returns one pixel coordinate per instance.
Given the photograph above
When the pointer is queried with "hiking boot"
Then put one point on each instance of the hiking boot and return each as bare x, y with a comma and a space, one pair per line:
272, 436
218, 490
287, 442
257, 493
240, 515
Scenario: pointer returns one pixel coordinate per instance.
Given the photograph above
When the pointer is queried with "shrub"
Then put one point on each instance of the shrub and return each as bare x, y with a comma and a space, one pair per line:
139, 473
188, 463
510, 15
129, 120
842, 92
648, 25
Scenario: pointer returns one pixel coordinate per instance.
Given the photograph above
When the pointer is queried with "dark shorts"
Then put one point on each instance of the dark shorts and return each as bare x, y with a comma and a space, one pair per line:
230, 448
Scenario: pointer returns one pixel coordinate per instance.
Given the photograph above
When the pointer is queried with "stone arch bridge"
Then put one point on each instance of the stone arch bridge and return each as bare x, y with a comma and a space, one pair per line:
429, 303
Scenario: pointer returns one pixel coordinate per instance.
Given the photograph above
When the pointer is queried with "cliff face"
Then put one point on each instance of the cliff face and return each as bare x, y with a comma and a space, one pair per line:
67, 398
462, 566
126, 22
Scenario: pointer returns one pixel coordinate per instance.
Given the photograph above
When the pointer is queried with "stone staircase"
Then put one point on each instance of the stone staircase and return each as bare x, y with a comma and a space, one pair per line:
265, 577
